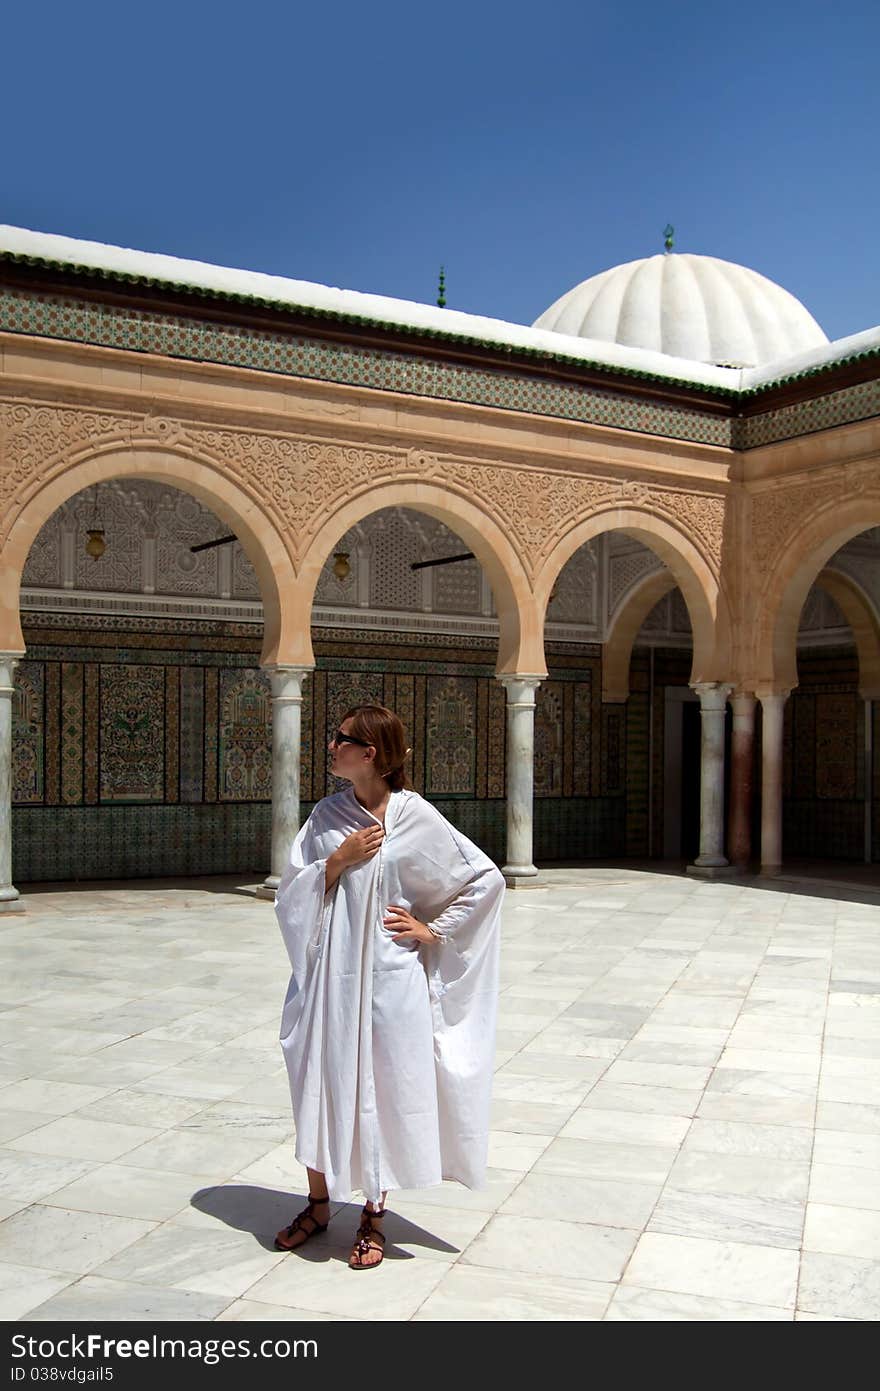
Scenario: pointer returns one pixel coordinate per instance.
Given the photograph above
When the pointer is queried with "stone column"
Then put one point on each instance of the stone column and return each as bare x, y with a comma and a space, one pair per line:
772, 708
286, 740
9, 898
520, 692
713, 708
742, 746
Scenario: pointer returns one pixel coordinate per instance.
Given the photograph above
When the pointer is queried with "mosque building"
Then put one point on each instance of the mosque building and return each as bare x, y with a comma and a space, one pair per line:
618, 571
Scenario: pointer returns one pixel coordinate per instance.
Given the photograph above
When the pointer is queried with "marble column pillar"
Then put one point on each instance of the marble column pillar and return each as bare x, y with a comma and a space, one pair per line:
772, 710
286, 740
9, 898
742, 745
520, 691
713, 709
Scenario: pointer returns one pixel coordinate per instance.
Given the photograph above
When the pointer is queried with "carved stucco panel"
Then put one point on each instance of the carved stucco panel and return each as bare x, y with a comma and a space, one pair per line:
302, 481
780, 515
35, 440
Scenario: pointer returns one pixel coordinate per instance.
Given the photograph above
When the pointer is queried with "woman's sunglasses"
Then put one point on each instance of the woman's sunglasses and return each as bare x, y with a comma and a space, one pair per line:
340, 738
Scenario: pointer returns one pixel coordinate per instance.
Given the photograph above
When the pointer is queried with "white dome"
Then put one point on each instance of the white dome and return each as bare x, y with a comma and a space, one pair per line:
694, 307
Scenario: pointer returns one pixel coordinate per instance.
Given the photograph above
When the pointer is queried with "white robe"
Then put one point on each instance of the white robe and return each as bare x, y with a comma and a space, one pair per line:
389, 1046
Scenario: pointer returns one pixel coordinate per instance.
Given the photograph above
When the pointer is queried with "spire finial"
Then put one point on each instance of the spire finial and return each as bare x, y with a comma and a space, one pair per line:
668, 236
441, 288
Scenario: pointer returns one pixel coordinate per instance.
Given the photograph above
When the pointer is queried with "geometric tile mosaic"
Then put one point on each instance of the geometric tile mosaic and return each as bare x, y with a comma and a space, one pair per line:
80, 320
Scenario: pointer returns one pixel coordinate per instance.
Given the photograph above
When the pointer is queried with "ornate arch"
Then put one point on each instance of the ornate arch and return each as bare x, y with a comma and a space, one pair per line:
520, 647
692, 568
43, 489
811, 542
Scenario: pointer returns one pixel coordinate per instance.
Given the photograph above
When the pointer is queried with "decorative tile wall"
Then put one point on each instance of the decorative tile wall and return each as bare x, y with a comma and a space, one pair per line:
167, 724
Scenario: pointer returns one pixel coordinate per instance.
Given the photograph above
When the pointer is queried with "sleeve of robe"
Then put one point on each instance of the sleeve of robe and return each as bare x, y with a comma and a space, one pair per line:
463, 979
301, 907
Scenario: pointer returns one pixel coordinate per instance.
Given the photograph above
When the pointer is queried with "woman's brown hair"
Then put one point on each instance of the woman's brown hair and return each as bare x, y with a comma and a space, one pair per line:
380, 727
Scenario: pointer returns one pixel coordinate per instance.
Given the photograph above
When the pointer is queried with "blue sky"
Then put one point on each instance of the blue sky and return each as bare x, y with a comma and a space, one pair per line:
526, 146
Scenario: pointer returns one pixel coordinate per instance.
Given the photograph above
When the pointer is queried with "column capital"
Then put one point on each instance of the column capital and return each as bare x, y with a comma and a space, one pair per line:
8, 662
767, 694
520, 689
713, 694
287, 681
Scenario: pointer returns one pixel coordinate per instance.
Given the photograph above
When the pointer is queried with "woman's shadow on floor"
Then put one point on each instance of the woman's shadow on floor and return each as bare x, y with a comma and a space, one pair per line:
264, 1211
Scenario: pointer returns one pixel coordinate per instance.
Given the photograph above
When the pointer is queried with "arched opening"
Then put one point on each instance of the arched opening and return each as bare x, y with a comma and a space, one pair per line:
423, 641
654, 613
142, 718
830, 771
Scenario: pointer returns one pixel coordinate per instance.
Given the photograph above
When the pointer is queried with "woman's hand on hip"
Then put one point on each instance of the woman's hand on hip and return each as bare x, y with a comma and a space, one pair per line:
404, 927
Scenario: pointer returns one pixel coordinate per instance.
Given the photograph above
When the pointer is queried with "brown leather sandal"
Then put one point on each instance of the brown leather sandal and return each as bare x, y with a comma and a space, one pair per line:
367, 1237
307, 1215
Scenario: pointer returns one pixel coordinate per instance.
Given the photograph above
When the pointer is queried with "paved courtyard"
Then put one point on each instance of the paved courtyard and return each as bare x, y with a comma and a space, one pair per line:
686, 1119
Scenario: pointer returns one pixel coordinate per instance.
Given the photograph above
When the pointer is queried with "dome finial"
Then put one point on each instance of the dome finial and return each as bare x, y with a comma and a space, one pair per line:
441, 288
668, 236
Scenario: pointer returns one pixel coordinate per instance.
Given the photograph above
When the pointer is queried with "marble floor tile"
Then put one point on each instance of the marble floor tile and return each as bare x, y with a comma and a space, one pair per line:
716, 1269
500, 1183
628, 1127
845, 1186
49, 1098
839, 1286
757, 1110
215, 1262
661, 1101
22, 1288
843, 1147
858, 1090
470, 1294
551, 1247
150, 1194
746, 1175
60, 1239
635, 1305
755, 1060
842, 1231
603, 1202
510, 1085
789, 1085
16, 1123
607, 1159
754, 1220
533, 1063
78, 1138
197, 1152
507, 1150
95, 1299
849, 1117
530, 1117
750, 1138
128, 1107
29, 1177
657, 1075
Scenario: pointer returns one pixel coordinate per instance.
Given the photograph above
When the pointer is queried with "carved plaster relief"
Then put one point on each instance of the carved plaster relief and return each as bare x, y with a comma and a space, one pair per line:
300, 482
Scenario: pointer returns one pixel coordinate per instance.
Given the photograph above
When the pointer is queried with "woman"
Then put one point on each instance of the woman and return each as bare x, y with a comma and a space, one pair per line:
390, 918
